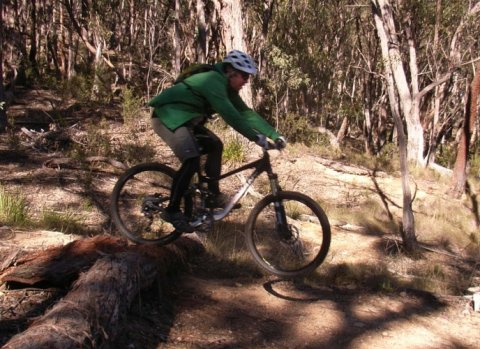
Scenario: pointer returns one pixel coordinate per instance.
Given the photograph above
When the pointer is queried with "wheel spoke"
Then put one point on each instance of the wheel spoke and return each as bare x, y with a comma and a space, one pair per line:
138, 200
292, 249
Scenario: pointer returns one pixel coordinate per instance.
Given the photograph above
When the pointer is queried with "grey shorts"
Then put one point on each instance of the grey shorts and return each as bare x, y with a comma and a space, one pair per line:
181, 141
191, 140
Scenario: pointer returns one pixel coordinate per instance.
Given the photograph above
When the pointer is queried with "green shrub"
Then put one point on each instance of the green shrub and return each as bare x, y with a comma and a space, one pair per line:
475, 164
78, 87
233, 151
95, 142
13, 208
131, 107
297, 128
388, 158
67, 222
446, 155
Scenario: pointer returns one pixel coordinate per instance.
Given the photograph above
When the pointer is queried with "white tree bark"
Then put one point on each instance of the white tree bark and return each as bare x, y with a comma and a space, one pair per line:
408, 221
410, 95
409, 104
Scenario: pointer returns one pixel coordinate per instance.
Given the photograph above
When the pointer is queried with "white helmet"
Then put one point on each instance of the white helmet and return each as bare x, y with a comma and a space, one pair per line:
241, 61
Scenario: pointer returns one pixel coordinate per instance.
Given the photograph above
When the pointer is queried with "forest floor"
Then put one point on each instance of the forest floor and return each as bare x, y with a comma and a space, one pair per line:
365, 295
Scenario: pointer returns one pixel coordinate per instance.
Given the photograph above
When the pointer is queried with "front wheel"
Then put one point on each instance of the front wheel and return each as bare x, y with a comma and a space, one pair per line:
288, 234
138, 199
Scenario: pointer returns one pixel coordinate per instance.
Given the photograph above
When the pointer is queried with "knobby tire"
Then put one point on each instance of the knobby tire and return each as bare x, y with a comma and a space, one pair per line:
308, 245
143, 188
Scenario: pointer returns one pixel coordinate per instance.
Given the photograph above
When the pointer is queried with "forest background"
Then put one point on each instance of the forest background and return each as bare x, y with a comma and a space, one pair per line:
377, 98
386, 79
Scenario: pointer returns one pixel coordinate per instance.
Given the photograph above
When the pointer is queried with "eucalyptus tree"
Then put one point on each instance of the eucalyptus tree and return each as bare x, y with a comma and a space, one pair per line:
420, 70
3, 112
408, 227
459, 177
418, 75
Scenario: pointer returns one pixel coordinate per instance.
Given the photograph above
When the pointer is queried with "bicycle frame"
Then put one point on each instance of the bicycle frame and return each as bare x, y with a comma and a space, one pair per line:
261, 165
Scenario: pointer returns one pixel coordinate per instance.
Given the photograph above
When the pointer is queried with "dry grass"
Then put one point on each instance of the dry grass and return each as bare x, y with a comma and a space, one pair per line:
13, 208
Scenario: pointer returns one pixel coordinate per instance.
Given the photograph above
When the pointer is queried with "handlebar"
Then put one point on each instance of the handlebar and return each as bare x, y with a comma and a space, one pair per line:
269, 146
265, 144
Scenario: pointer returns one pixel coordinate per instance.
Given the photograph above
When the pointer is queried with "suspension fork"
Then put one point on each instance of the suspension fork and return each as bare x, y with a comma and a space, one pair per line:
281, 223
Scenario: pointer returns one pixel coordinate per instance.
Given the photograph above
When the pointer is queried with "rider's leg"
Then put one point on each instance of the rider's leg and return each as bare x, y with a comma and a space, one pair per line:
212, 146
181, 181
186, 148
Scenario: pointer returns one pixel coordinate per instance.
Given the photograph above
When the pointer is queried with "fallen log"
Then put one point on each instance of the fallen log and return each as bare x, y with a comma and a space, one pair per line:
90, 313
89, 316
60, 265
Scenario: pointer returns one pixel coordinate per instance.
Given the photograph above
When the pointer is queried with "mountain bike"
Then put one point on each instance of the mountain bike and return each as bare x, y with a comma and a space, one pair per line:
287, 232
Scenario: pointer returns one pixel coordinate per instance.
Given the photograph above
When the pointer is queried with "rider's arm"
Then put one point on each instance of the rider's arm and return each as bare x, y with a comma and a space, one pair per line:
252, 118
233, 110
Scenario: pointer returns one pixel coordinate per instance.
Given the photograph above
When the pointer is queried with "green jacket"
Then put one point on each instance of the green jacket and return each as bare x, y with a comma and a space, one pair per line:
203, 94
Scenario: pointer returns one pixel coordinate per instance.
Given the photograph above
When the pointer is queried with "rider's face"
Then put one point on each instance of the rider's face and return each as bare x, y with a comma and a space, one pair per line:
238, 79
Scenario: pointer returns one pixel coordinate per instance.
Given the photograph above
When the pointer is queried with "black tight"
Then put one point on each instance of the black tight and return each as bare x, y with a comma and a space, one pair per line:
181, 181
208, 144
211, 145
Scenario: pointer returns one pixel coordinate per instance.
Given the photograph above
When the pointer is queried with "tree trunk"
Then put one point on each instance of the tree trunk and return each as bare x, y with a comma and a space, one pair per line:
409, 109
267, 15
367, 131
438, 94
90, 314
177, 48
32, 56
232, 34
459, 177
342, 132
410, 96
408, 222
202, 32
60, 265
98, 87
83, 35
3, 100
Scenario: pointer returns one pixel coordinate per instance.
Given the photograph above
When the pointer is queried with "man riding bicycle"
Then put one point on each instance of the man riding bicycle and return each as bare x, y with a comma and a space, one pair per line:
180, 113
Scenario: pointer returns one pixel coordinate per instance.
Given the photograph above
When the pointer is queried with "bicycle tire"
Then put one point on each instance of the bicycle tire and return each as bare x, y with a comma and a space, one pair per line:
309, 241
137, 200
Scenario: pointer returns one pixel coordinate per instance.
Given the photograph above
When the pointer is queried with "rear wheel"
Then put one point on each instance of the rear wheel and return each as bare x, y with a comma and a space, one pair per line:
138, 199
288, 234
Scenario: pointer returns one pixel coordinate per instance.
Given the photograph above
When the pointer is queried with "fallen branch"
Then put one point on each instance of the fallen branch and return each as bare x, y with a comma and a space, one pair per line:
47, 139
75, 164
440, 169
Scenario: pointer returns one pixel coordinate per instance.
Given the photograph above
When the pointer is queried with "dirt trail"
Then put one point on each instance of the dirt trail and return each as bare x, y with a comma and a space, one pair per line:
243, 313
202, 309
